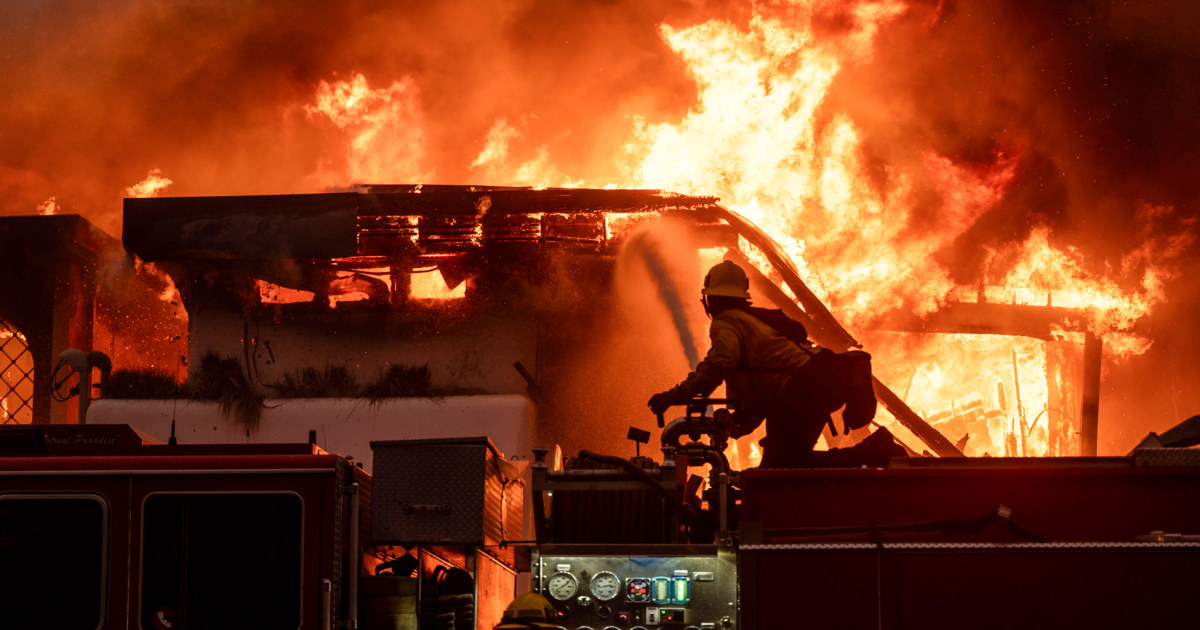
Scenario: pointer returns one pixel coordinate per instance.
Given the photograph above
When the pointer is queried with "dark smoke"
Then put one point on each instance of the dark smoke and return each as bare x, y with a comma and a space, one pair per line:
1097, 100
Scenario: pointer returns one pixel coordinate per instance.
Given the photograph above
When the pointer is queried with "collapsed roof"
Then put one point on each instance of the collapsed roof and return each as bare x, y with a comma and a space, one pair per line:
388, 223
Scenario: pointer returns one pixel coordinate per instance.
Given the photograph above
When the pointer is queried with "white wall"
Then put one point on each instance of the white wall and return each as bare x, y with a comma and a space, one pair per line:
345, 426
465, 353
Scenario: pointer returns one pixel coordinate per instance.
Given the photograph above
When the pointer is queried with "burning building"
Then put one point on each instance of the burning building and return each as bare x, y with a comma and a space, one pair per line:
485, 301
531, 307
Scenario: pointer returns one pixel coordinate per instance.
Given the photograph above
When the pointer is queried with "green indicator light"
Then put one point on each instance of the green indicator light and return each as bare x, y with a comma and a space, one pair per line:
683, 590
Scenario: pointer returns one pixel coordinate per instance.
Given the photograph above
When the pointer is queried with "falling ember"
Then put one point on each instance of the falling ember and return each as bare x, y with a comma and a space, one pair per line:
154, 184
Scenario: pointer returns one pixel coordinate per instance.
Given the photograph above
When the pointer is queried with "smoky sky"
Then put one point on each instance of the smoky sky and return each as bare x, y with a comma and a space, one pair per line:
1096, 100
211, 92
1099, 97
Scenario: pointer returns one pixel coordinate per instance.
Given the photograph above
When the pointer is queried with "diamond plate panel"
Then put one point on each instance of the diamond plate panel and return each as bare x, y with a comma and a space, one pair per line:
436, 492
1166, 457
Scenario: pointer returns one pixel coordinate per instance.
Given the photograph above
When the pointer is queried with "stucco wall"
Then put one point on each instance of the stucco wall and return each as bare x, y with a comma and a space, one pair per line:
343, 426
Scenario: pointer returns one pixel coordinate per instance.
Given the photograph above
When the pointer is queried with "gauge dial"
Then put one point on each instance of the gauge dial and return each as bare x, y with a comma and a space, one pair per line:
606, 585
562, 586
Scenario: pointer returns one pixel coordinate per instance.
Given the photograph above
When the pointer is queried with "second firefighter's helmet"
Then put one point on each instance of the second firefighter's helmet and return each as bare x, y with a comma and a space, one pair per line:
528, 611
727, 280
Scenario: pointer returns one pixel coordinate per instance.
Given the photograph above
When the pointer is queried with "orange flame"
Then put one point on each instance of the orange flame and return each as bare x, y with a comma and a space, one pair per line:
154, 184
386, 125
763, 137
756, 139
48, 207
432, 286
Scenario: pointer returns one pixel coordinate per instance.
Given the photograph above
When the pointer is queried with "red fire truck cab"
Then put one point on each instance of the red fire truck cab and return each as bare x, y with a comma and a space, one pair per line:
101, 527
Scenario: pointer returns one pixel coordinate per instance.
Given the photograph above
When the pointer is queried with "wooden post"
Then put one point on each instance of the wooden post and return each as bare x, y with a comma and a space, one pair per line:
1093, 348
1054, 446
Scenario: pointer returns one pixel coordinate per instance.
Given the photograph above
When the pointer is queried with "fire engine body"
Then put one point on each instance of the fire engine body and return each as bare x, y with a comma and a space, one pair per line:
111, 530
106, 529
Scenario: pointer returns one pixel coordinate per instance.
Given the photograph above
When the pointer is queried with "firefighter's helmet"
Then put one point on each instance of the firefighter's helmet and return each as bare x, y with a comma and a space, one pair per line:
528, 610
727, 280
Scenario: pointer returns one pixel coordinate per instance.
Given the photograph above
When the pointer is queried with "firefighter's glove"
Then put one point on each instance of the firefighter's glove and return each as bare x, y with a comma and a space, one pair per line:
660, 402
744, 423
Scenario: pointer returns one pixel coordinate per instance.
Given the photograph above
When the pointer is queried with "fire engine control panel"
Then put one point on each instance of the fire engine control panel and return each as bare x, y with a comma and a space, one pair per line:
639, 591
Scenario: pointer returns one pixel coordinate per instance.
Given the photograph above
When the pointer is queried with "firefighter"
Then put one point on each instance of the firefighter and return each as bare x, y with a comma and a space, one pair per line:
771, 376
527, 611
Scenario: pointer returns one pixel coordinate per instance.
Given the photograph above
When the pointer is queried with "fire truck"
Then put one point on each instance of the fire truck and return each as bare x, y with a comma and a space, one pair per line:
104, 527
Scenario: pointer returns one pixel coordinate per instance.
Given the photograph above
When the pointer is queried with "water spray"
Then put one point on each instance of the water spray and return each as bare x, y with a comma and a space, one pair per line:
652, 256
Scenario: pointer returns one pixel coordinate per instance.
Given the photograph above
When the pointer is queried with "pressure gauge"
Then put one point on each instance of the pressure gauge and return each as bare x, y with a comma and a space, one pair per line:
606, 585
562, 586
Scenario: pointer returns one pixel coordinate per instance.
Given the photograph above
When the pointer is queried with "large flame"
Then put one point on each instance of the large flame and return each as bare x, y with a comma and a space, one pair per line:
763, 137
757, 140
386, 127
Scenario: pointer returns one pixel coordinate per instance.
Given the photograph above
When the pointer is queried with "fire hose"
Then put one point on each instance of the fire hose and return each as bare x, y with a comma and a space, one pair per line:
685, 511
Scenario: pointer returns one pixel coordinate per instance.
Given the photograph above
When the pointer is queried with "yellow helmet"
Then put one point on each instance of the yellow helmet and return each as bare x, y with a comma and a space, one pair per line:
528, 610
728, 280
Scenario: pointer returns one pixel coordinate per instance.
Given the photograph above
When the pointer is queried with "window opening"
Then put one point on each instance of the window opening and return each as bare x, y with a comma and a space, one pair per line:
221, 561
53, 551
16, 376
